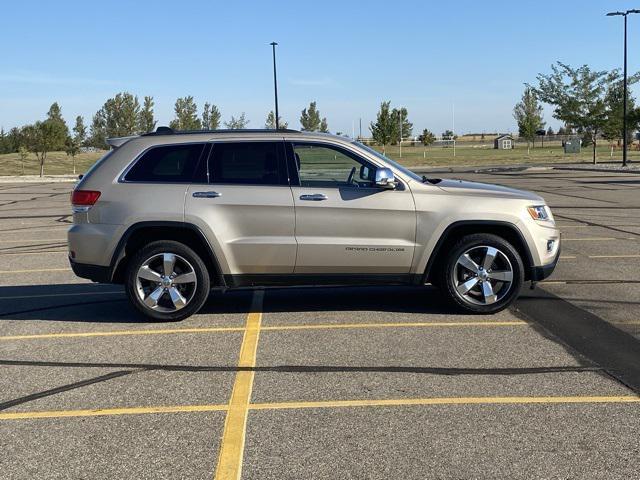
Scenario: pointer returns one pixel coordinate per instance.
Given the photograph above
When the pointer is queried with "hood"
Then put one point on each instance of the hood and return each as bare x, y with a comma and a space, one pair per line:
461, 187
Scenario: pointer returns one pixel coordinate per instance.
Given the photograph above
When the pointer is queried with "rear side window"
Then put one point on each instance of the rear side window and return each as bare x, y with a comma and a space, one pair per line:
248, 163
168, 163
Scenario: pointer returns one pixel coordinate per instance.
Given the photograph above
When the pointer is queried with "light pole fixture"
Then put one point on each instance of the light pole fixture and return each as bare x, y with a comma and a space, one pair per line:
624, 88
275, 83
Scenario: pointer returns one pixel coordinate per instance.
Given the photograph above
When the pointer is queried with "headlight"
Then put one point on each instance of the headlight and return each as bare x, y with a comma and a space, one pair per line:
540, 212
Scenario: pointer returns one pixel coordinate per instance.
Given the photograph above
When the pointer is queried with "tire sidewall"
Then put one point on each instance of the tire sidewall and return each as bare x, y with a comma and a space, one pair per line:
166, 246
470, 241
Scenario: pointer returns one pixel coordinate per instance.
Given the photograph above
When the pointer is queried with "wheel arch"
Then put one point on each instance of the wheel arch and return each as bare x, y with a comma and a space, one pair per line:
143, 233
459, 229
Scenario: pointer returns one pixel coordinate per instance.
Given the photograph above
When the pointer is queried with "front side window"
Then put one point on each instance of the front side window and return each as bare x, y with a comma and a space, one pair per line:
248, 163
167, 163
324, 166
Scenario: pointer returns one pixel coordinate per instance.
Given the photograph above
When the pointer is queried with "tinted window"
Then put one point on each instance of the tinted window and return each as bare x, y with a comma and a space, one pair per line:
324, 166
248, 163
170, 163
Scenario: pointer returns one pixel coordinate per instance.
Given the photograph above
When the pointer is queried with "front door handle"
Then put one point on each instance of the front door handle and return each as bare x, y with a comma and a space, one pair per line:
315, 197
206, 194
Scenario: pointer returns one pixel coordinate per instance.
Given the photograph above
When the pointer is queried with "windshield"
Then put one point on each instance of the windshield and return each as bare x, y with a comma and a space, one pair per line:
394, 164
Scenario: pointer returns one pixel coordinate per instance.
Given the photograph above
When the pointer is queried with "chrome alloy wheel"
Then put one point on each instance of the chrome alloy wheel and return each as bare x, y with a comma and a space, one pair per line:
483, 275
166, 282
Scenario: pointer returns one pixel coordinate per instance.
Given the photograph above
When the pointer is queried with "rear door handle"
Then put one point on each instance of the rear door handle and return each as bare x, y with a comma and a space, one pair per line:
206, 194
314, 197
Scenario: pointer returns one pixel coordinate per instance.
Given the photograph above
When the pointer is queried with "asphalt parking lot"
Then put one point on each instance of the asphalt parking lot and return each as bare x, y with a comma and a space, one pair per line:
326, 383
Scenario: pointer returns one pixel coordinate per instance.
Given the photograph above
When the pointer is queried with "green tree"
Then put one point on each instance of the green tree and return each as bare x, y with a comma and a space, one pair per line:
210, 117
448, 135
528, 115
550, 131
613, 129
23, 153
79, 131
43, 137
239, 123
399, 116
310, 119
71, 148
382, 128
186, 115
578, 97
270, 123
54, 116
146, 122
118, 117
427, 138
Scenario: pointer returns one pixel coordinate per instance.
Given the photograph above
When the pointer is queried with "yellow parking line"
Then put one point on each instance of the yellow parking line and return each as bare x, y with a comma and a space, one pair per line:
232, 446
116, 333
393, 402
594, 239
35, 240
395, 325
444, 401
320, 326
34, 253
614, 256
4, 272
98, 412
45, 295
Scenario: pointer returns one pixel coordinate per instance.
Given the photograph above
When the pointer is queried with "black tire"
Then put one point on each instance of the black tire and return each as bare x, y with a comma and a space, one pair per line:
196, 294
450, 282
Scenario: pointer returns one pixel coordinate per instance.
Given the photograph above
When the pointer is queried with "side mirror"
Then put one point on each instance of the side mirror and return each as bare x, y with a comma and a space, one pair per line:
385, 178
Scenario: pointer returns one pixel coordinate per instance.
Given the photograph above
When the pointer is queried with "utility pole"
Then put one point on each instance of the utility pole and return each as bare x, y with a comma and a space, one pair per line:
275, 84
400, 133
624, 87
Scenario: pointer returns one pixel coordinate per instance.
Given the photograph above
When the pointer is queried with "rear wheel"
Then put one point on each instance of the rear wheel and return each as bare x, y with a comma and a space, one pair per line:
167, 281
482, 274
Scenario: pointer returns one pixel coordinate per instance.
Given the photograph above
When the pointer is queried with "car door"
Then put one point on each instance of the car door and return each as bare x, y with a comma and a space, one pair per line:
345, 224
246, 208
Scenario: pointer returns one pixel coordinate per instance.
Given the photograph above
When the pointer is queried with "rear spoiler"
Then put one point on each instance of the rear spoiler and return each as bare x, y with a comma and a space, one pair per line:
119, 141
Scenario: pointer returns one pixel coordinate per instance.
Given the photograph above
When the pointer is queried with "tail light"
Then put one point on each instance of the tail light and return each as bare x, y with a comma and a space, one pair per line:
83, 200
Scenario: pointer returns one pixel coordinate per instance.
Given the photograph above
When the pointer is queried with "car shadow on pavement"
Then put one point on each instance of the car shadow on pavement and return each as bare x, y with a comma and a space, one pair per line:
108, 303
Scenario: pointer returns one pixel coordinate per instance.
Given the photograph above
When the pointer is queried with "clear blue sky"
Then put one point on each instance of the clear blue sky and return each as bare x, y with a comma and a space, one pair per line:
346, 55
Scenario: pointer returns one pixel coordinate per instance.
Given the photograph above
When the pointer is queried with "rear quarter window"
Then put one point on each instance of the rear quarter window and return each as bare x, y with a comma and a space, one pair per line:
166, 163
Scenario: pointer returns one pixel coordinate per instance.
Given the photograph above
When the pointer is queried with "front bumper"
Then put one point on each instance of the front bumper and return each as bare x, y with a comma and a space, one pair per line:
540, 273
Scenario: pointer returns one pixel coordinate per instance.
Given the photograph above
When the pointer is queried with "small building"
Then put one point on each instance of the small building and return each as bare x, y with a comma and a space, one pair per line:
572, 145
503, 142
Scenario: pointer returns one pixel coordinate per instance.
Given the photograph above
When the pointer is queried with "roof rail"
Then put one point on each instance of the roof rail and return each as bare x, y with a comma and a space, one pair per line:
170, 131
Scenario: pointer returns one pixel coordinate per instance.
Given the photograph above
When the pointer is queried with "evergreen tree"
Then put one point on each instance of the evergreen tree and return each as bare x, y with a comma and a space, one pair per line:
210, 117
239, 123
382, 129
60, 129
80, 131
146, 122
398, 115
427, 138
310, 119
528, 115
186, 115
550, 131
118, 117
270, 123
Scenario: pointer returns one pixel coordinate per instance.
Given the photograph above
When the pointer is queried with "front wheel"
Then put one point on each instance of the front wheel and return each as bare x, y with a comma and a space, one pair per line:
167, 281
482, 274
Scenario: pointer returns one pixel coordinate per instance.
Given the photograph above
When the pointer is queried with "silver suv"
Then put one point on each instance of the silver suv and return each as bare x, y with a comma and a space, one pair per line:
172, 215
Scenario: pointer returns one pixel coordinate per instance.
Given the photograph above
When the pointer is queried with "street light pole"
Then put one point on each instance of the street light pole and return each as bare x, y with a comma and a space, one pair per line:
624, 87
275, 84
